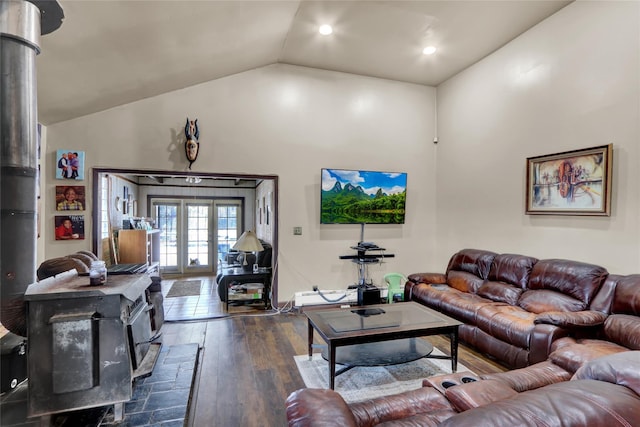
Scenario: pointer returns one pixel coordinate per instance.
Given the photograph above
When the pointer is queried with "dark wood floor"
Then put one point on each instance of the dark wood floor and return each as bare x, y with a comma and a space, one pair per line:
246, 368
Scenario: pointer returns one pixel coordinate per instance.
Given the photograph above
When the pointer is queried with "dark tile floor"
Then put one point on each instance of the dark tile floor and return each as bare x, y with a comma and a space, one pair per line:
159, 400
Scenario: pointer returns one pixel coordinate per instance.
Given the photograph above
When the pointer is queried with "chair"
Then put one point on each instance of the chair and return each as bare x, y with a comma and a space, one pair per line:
395, 283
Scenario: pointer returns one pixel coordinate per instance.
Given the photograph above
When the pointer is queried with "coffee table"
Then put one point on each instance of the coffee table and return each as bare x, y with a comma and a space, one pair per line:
377, 323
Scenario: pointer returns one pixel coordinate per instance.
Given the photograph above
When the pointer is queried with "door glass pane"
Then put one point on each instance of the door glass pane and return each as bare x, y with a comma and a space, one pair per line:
227, 228
198, 235
167, 220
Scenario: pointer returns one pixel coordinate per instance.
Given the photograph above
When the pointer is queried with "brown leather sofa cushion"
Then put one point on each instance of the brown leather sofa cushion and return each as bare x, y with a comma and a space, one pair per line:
461, 305
570, 403
500, 292
627, 297
570, 354
473, 261
431, 296
620, 368
463, 281
540, 301
577, 279
512, 269
510, 324
623, 329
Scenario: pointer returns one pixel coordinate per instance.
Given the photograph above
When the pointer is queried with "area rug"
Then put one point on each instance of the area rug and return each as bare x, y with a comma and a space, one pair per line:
363, 383
184, 288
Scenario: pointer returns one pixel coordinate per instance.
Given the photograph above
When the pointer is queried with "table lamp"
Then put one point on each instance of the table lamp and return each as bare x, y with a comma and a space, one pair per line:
248, 243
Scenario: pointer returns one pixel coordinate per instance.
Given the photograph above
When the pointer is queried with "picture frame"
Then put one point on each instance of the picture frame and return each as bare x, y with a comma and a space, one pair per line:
574, 182
70, 164
70, 198
69, 227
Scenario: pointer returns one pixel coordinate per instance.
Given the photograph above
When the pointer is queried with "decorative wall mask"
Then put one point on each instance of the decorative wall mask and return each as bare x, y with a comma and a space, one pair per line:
192, 146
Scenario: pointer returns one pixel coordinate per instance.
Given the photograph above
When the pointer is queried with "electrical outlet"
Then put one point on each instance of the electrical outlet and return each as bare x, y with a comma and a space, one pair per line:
297, 231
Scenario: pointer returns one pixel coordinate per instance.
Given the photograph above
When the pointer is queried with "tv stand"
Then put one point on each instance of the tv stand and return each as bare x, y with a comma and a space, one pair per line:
362, 258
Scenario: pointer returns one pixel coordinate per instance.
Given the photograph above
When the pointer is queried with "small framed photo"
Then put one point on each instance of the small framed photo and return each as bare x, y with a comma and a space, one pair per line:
70, 164
70, 198
570, 183
69, 227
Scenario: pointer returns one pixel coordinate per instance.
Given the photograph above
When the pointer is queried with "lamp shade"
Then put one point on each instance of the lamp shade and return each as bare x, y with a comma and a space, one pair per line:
248, 242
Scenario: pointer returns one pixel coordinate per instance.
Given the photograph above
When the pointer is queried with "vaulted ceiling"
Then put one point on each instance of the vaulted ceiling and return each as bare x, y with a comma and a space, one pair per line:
113, 52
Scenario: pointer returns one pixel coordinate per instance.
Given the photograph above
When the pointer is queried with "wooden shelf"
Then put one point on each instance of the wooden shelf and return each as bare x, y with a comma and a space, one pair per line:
139, 246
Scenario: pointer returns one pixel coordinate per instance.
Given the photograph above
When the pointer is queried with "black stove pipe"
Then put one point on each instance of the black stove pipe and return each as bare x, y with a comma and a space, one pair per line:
21, 24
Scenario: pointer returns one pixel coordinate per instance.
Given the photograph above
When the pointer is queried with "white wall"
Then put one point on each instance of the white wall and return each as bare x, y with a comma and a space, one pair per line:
571, 82
263, 210
291, 122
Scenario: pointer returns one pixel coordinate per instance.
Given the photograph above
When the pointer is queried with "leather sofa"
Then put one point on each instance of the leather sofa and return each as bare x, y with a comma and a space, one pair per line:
585, 320
619, 332
603, 392
514, 307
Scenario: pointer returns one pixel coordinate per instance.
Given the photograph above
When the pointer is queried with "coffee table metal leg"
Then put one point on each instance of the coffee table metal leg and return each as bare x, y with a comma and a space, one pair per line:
310, 338
454, 350
331, 351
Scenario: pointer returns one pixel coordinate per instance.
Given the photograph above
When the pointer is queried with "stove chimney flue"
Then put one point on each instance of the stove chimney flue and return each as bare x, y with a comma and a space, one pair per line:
21, 25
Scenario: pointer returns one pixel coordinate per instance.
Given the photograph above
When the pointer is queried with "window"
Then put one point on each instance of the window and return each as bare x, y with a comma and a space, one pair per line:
105, 185
227, 227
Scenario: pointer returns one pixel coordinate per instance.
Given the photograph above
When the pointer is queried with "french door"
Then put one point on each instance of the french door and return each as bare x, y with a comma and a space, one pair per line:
194, 234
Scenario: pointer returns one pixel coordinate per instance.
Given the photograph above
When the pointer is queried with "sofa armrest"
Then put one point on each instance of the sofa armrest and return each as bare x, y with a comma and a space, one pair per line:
531, 377
424, 400
428, 278
571, 319
480, 393
318, 407
542, 338
417, 278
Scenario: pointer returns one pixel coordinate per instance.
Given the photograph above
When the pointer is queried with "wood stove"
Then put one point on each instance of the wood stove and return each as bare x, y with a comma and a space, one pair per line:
86, 344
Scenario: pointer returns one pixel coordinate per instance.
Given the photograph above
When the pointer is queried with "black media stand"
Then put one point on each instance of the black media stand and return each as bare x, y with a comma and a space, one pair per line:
362, 258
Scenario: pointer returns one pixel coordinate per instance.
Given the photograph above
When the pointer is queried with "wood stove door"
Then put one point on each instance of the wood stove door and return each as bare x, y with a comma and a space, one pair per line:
139, 334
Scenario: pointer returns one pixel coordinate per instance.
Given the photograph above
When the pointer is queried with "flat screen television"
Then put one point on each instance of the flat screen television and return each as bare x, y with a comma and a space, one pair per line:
362, 197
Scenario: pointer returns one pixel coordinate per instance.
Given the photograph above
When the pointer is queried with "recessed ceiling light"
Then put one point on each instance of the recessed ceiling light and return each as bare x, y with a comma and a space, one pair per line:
325, 29
429, 50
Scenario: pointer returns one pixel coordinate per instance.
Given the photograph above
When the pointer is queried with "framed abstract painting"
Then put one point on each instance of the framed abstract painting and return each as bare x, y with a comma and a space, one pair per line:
570, 183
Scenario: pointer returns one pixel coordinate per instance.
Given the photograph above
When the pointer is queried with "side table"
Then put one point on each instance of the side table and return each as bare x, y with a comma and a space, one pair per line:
239, 276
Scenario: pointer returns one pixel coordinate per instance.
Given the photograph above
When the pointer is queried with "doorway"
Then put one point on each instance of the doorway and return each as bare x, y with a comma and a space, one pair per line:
200, 219
195, 235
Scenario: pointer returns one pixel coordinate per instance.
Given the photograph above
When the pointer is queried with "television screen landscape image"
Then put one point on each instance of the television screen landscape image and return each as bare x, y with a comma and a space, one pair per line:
362, 197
